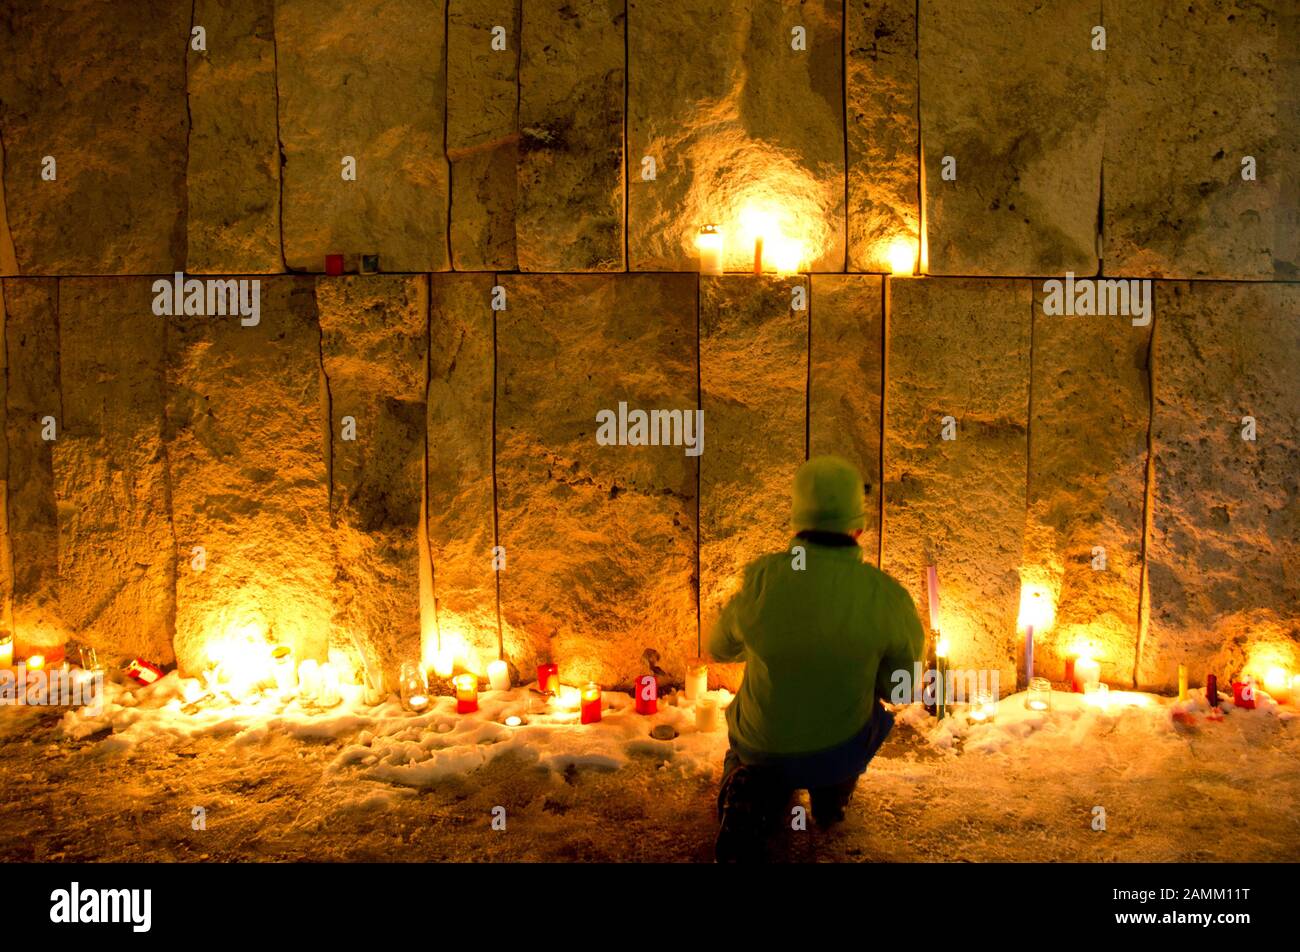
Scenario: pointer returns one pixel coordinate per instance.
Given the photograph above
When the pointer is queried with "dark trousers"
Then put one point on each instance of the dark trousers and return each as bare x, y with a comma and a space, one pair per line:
829, 776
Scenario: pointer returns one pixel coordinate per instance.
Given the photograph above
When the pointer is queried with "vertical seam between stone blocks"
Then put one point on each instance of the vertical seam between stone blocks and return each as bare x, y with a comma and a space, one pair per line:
189, 130
627, 85
807, 392
327, 399
1148, 499
446, 94
699, 461
922, 243
168, 490
427, 552
844, 114
6, 610
1029, 408
496, 509
1099, 238
884, 381
279, 143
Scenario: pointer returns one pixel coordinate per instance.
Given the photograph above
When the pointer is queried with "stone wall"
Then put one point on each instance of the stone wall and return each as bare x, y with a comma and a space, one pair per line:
179, 482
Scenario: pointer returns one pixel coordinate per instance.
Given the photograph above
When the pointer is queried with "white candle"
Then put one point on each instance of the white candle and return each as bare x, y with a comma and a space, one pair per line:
697, 682
706, 714
308, 679
498, 673
709, 243
329, 685
1086, 671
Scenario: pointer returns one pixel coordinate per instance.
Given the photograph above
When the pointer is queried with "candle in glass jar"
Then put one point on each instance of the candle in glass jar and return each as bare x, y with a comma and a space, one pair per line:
709, 243
647, 694
36, 662
466, 693
1243, 693
697, 681
591, 703
548, 678
1086, 671
498, 673
1039, 697
286, 677
329, 694
308, 679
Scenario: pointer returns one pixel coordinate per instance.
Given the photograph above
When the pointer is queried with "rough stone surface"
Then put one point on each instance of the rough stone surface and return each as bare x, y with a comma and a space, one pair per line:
1014, 92
482, 132
32, 345
363, 79
600, 540
1177, 126
461, 515
117, 556
101, 87
6, 550
753, 388
246, 444
374, 334
8, 258
1090, 415
1225, 533
721, 128
571, 70
233, 180
845, 378
883, 134
959, 347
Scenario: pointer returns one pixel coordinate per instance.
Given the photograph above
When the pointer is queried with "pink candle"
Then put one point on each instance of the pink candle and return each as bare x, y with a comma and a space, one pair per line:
647, 694
932, 587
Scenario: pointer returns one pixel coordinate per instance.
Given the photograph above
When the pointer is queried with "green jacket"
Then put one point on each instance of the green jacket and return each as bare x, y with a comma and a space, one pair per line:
819, 645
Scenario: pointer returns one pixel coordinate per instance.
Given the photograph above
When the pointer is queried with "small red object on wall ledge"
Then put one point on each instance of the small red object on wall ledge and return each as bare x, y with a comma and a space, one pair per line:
334, 264
647, 694
143, 672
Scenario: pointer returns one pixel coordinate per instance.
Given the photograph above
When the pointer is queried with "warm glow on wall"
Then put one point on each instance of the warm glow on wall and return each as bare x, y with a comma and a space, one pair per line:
901, 257
1037, 608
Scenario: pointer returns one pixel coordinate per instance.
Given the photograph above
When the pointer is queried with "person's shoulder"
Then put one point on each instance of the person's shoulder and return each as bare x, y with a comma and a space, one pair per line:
891, 589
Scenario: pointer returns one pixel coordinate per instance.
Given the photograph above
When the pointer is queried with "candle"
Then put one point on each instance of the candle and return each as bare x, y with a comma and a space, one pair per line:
709, 243
548, 678
139, 671
1182, 682
334, 264
6, 650
941, 679
1275, 683
413, 687
514, 720
985, 707
286, 676
591, 703
466, 693
498, 673
309, 681
902, 258
1029, 653
647, 694
706, 714
932, 589
1039, 697
1086, 671
758, 255
697, 681
329, 694
36, 662
1212, 690
1243, 693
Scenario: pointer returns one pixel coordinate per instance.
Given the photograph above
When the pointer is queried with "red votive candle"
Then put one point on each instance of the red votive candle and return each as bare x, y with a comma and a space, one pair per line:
1243, 693
333, 264
548, 678
466, 693
591, 703
647, 694
1212, 690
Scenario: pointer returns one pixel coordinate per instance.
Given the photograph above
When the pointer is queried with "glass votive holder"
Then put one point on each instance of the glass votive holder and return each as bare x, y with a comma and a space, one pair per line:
1039, 696
984, 708
413, 687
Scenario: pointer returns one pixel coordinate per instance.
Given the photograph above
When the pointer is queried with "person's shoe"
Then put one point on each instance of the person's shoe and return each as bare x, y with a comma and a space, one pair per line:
740, 833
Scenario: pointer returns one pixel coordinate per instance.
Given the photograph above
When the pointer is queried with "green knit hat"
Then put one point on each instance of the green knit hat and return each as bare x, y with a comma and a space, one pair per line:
828, 496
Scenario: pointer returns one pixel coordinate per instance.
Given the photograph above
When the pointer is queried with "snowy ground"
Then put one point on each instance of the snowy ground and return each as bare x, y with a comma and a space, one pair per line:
280, 782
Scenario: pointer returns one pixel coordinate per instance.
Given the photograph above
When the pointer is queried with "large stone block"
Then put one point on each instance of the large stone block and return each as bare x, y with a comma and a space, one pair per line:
374, 338
741, 125
233, 181
8, 258
571, 71
366, 80
1179, 123
1225, 525
32, 399
844, 381
1090, 416
883, 132
483, 132
959, 348
599, 539
1013, 91
753, 388
100, 87
117, 554
461, 509
246, 410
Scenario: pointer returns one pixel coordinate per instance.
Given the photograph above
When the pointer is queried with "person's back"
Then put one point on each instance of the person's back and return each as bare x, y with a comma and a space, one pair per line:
821, 633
